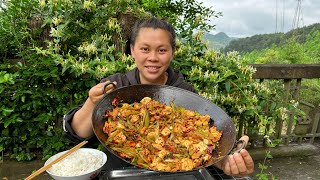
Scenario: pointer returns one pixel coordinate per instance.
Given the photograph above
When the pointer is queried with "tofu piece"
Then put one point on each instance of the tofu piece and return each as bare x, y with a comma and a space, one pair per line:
161, 154
166, 131
120, 138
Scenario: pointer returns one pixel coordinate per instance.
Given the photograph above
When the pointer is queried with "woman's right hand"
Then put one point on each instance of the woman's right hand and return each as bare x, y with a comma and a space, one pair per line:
97, 91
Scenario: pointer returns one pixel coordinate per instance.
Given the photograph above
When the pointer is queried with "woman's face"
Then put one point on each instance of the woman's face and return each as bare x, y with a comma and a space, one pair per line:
153, 53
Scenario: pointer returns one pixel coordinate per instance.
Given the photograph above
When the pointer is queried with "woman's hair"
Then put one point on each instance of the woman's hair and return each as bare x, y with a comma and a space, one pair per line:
154, 23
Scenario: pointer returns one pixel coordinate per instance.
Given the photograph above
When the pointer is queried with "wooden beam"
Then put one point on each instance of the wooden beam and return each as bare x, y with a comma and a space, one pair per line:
286, 71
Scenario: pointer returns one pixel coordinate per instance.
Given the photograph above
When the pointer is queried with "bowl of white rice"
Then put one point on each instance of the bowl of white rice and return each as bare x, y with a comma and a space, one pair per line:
83, 164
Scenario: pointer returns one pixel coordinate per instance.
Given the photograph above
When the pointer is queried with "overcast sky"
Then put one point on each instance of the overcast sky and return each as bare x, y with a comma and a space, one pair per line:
242, 18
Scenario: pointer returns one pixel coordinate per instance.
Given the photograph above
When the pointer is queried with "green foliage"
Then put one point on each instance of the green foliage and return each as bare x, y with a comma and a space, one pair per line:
312, 48
265, 41
310, 91
53, 52
293, 52
227, 81
6, 79
55, 70
14, 26
262, 166
188, 16
256, 42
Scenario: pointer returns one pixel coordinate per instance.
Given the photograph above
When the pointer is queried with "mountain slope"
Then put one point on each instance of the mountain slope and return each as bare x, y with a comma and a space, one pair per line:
263, 41
217, 41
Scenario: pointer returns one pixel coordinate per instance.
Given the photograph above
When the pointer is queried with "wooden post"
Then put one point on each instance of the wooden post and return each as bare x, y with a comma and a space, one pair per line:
314, 127
290, 124
279, 122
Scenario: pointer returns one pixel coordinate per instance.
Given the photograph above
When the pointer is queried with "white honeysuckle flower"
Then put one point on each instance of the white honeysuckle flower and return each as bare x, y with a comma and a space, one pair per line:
54, 32
223, 99
80, 48
105, 37
242, 109
90, 49
89, 5
206, 74
57, 47
42, 3
292, 101
111, 23
54, 2
252, 69
254, 98
56, 21
267, 137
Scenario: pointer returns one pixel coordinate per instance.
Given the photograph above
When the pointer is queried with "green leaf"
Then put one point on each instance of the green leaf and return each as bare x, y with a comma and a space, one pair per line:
64, 68
273, 106
111, 57
263, 167
269, 156
7, 123
61, 26
23, 138
262, 103
228, 85
6, 111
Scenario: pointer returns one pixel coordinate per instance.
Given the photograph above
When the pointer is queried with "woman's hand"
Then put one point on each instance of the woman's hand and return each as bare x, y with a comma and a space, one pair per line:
97, 91
82, 122
239, 163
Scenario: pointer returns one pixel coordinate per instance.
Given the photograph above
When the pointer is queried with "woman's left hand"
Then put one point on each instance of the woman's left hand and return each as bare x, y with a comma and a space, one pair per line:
238, 163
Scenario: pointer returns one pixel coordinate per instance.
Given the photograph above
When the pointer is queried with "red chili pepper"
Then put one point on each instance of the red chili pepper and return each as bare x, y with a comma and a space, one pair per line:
210, 148
107, 114
170, 148
115, 101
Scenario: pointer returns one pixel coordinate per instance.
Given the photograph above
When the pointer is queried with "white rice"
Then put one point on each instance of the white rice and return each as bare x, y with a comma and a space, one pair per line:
77, 163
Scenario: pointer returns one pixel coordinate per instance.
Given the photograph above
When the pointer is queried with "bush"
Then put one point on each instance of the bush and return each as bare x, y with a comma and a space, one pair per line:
54, 51
227, 81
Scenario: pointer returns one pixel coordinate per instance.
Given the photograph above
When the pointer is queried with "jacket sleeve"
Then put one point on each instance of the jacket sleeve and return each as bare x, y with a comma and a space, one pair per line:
69, 132
67, 119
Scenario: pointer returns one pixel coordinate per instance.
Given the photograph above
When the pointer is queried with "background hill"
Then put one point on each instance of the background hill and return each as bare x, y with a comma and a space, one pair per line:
263, 41
218, 41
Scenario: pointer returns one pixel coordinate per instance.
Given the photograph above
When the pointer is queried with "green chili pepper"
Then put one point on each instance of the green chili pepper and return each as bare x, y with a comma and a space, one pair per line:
128, 151
146, 118
109, 119
172, 120
172, 106
141, 157
112, 135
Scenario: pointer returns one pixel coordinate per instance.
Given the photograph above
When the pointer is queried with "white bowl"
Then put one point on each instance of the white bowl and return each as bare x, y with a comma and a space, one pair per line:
83, 152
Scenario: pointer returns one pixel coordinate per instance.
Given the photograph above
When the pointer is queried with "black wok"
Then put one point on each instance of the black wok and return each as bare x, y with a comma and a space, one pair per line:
166, 94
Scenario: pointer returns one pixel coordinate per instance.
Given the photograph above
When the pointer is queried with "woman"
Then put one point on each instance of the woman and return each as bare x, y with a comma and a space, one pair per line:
152, 46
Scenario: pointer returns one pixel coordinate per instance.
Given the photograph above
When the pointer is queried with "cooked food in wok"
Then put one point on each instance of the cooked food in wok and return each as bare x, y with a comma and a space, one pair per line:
160, 137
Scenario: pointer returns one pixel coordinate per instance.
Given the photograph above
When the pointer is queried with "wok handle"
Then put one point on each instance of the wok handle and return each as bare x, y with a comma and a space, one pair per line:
105, 86
238, 149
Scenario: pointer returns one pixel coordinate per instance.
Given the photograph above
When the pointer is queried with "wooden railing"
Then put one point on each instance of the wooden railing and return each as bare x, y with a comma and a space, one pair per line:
292, 75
